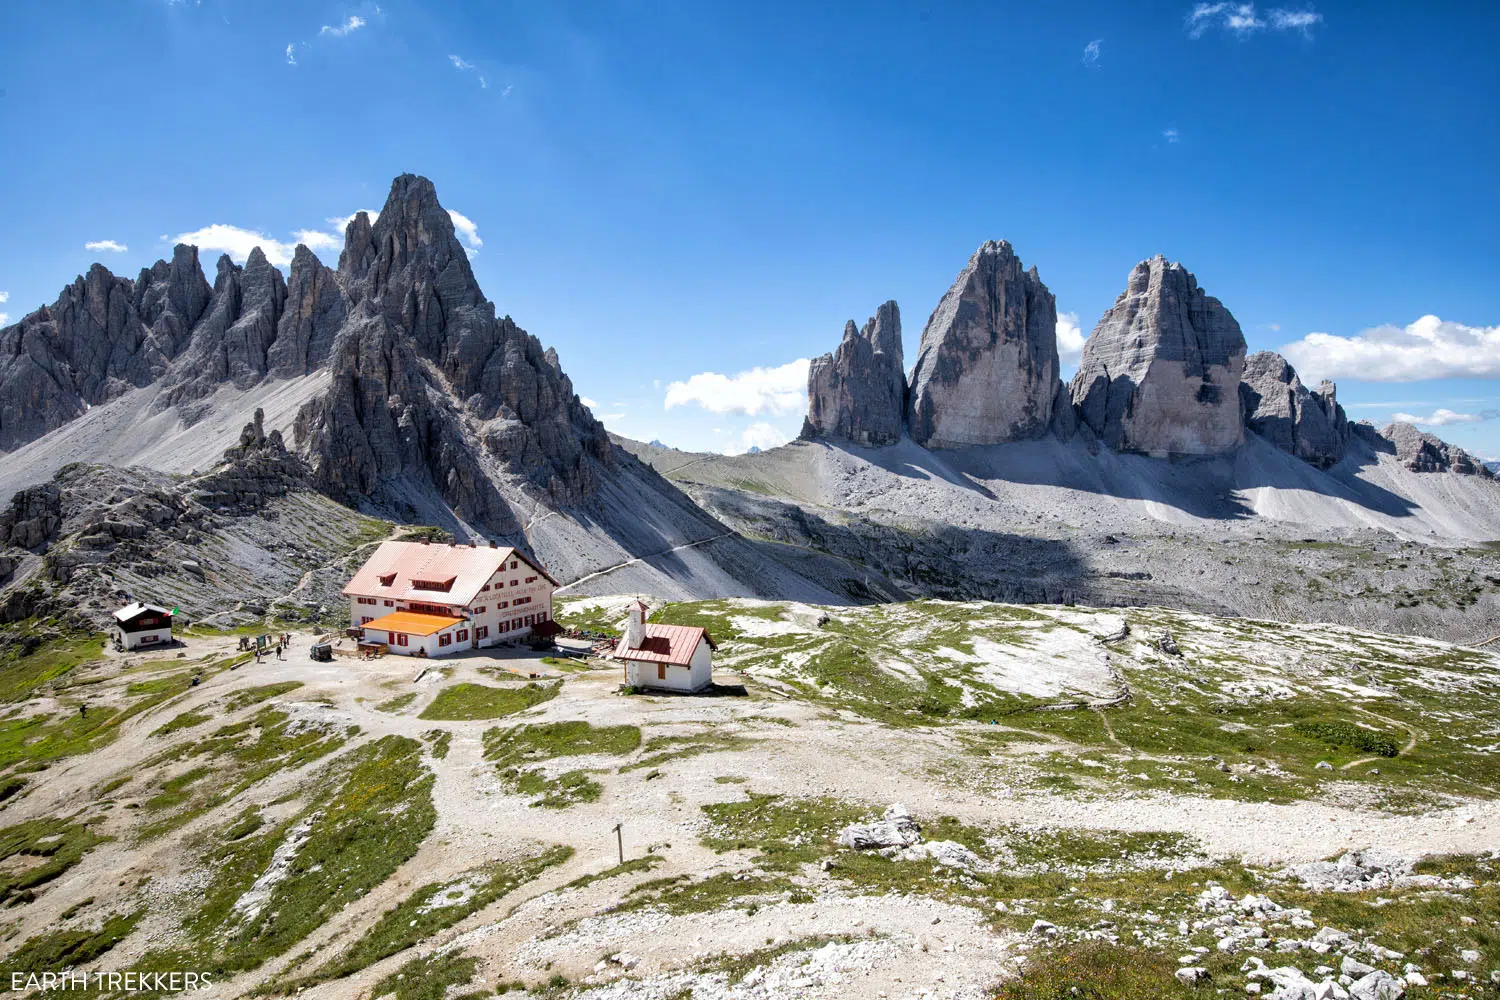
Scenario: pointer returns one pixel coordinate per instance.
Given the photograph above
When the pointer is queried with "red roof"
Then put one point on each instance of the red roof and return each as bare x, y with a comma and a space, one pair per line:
459, 571
667, 644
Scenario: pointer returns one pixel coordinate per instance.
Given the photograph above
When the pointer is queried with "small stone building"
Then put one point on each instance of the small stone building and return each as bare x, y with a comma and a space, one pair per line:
138, 625
665, 657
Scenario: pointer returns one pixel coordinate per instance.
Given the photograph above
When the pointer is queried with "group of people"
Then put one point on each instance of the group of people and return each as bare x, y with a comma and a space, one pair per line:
282, 641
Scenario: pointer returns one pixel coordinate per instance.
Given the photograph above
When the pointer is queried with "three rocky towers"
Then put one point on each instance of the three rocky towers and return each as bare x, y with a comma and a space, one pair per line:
1164, 373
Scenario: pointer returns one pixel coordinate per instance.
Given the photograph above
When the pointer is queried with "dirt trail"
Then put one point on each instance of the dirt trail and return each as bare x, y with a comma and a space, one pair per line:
640, 559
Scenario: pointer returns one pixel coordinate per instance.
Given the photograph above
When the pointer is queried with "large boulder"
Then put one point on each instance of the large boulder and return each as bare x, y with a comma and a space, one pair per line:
858, 393
987, 369
1161, 372
1308, 423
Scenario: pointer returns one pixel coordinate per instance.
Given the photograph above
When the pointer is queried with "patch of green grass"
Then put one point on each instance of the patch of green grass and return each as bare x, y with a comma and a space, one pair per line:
644, 863
432, 908
11, 787
529, 744
465, 702
430, 977
1096, 971
168, 685
178, 789
660, 749
788, 833
21, 673
186, 720
255, 695
248, 822
372, 812
37, 851
61, 949
567, 789
76, 908
1347, 734
239, 755
681, 894
396, 704
440, 740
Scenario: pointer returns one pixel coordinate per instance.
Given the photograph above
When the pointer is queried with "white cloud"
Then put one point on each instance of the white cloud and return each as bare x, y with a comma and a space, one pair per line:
464, 66
1443, 417
1069, 339
354, 23
758, 435
1429, 348
1241, 19
100, 246
4, 317
1294, 20
4, 298
1091, 53
506, 91
588, 402
1171, 135
759, 390
237, 243
317, 239
291, 53
341, 222
467, 230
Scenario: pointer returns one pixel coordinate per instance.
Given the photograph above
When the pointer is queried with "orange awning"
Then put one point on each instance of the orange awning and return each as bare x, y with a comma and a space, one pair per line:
412, 623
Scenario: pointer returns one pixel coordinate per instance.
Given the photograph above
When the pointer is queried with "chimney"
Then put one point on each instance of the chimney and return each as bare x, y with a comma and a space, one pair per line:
426, 541
492, 543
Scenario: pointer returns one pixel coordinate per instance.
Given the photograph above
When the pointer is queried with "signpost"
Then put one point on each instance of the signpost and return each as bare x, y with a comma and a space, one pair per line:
620, 841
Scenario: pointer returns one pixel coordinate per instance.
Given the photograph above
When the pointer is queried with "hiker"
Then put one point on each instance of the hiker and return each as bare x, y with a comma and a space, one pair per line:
83, 711
278, 653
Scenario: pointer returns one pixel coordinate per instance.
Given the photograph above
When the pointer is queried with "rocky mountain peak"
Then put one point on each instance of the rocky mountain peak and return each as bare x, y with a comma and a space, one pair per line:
858, 393
987, 369
1423, 452
1307, 423
1161, 372
170, 298
429, 389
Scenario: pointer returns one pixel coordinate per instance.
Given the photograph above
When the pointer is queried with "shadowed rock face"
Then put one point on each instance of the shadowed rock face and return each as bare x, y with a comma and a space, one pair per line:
1421, 452
233, 340
429, 387
102, 337
1308, 423
1160, 374
313, 312
858, 393
987, 368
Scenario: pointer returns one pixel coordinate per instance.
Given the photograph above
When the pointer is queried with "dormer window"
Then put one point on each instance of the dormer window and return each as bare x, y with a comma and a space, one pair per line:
444, 585
387, 579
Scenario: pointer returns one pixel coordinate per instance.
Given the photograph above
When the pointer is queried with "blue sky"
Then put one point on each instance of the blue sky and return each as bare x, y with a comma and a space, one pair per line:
702, 193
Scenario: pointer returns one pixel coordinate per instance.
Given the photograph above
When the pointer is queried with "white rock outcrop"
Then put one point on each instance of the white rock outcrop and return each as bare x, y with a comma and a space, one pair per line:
1161, 372
987, 369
